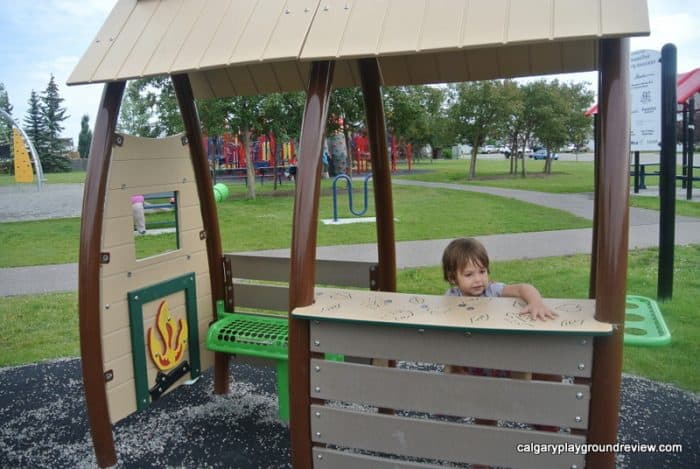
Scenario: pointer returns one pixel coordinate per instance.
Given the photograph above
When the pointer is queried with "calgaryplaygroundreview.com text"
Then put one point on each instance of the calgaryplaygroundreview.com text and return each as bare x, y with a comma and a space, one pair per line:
584, 448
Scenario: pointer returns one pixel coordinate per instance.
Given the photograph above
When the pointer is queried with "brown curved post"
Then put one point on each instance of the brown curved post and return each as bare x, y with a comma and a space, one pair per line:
303, 254
200, 164
612, 244
89, 274
381, 172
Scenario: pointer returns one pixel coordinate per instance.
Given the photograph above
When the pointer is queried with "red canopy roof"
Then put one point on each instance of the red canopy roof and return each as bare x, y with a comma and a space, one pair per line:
687, 85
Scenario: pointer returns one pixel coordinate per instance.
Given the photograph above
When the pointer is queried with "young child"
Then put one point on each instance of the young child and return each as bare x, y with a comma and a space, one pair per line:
465, 266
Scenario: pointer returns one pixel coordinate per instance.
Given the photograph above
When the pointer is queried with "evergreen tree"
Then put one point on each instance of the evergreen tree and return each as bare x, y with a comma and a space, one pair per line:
55, 157
85, 137
35, 126
5, 127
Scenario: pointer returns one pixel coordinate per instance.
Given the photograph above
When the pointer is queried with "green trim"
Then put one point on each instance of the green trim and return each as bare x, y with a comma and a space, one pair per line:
137, 299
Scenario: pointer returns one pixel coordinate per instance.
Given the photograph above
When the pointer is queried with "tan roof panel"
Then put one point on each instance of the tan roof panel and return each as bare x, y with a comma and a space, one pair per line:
261, 46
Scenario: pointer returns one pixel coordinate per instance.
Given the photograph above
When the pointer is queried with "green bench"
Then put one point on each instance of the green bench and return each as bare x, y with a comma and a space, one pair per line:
253, 321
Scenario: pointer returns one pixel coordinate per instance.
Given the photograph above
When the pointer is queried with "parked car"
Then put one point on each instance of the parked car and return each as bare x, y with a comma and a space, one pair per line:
489, 149
541, 154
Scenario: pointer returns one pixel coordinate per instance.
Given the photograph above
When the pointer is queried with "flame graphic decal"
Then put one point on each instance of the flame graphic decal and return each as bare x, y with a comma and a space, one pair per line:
170, 349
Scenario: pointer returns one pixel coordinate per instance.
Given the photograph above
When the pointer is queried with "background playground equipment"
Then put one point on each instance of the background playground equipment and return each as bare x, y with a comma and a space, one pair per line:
362, 159
357, 213
270, 159
23, 167
644, 323
539, 39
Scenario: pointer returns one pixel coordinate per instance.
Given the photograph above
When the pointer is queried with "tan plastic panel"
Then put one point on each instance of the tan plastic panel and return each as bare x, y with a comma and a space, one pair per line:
146, 166
557, 355
526, 20
271, 297
512, 400
485, 23
402, 26
124, 44
574, 18
92, 58
325, 36
201, 34
325, 458
217, 81
172, 41
276, 269
149, 40
444, 441
121, 401
574, 316
257, 31
182, 36
287, 38
364, 28
226, 36
442, 25
619, 16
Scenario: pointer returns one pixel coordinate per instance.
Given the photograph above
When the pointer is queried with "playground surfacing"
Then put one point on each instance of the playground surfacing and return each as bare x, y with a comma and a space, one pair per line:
44, 423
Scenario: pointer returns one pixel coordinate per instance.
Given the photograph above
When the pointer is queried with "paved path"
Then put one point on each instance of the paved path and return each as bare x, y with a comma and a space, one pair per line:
644, 233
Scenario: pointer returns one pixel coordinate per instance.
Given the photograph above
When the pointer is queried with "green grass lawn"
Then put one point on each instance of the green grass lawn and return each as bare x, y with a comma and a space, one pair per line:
41, 327
566, 177
683, 207
266, 223
71, 177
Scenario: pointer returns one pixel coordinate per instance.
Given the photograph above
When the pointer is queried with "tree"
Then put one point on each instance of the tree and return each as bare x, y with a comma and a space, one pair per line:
150, 108
85, 137
417, 114
347, 106
35, 126
5, 127
477, 114
54, 159
579, 127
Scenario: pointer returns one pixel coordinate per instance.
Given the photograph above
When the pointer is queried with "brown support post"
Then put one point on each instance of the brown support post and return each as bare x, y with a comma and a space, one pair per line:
303, 254
596, 192
200, 164
612, 245
381, 172
89, 306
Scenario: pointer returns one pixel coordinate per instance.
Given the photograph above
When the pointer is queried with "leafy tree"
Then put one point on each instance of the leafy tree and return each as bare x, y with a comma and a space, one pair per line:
579, 127
54, 159
5, 127
417, 114
477, 114
85, 137
149, 108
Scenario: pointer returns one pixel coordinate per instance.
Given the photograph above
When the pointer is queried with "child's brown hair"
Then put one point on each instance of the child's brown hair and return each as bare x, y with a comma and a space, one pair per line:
459, 253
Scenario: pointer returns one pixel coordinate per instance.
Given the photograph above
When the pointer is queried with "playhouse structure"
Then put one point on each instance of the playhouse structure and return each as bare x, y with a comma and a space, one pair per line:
144, 322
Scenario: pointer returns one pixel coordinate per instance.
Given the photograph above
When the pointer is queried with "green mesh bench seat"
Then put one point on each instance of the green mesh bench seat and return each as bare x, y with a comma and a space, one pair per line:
256, 336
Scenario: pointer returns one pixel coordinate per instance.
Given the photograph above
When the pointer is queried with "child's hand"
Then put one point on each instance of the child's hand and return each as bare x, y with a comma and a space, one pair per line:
539, 311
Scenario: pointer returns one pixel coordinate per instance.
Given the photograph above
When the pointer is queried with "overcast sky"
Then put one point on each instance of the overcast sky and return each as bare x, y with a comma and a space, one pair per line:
43, 37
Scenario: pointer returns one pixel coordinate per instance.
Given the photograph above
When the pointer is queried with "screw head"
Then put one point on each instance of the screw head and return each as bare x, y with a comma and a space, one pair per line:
579, 395
581, 366
578, 418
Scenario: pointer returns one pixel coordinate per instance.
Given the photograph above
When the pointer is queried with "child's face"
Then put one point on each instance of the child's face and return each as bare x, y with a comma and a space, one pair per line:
472, 279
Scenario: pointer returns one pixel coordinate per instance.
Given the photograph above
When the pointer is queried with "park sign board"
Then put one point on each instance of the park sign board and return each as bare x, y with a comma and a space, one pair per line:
645, 100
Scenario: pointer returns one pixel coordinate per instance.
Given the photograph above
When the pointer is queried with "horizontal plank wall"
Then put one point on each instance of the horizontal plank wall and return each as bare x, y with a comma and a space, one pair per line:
436, 416
148, 166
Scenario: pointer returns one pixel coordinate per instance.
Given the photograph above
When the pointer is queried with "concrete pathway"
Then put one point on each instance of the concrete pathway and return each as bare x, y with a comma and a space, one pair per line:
644, 233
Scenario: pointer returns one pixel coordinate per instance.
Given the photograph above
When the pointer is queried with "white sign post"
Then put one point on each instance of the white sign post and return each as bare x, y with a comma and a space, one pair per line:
645, 100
